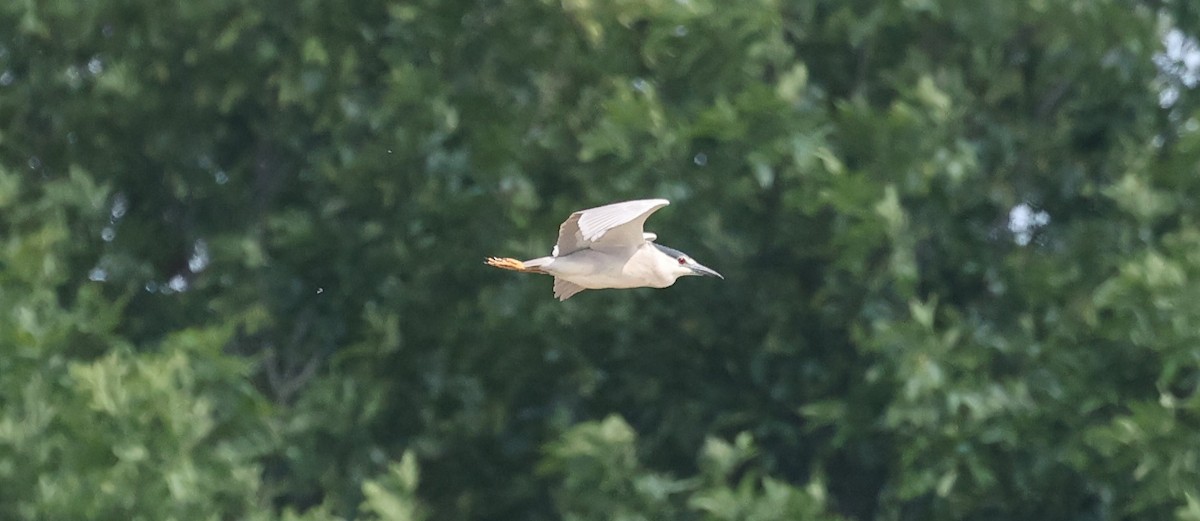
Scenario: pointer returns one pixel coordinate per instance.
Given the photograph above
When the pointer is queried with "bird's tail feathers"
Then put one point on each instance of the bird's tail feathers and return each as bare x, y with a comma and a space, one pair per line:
538, 262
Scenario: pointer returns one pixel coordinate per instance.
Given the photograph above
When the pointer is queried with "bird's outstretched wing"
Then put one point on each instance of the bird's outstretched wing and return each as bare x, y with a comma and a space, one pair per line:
609, 226
564, 289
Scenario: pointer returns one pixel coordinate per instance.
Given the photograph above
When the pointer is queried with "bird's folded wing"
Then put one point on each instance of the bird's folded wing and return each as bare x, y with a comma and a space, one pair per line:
618, 224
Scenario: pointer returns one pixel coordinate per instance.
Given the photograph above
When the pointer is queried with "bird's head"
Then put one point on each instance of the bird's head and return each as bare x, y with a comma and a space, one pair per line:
681, 264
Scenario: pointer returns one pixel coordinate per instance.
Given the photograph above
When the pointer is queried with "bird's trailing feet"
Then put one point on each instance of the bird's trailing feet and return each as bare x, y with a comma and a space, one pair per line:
506, 263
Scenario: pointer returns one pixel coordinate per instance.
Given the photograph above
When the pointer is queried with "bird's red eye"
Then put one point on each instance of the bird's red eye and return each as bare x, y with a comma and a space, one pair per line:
683, 260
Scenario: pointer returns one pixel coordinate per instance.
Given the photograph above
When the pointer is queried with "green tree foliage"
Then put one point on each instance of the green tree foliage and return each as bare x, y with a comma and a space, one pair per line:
597, 466
240, 250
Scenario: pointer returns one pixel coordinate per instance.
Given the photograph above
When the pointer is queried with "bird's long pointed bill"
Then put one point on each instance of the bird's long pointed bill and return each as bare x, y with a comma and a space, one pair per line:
706, 271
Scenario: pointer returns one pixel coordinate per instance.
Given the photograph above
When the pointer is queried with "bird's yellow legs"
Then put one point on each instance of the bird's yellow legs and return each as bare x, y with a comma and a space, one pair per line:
510, 264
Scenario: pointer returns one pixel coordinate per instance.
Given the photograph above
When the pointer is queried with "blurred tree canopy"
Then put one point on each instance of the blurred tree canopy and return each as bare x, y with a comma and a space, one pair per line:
241, 244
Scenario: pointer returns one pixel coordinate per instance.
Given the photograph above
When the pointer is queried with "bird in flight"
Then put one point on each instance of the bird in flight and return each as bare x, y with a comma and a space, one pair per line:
606, 247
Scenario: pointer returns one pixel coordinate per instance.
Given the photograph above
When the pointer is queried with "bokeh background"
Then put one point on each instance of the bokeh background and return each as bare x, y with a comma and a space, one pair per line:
241, 250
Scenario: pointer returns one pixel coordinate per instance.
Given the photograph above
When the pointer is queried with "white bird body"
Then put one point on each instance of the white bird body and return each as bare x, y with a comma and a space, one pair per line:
606, 247
614, 268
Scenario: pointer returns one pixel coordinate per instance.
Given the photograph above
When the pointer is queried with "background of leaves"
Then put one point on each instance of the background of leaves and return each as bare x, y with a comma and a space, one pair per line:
240, 250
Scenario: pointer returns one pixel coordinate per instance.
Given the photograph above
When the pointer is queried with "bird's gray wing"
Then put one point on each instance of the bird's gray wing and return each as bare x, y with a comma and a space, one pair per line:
564, 289
614, 225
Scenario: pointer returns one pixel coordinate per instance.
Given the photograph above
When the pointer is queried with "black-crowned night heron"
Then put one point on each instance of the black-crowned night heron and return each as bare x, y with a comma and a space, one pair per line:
606, 247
